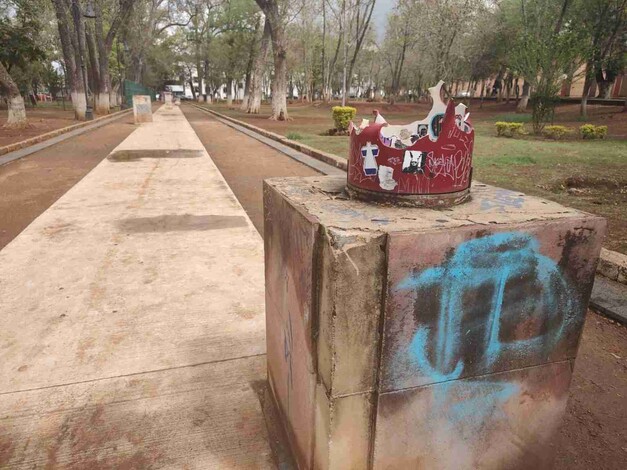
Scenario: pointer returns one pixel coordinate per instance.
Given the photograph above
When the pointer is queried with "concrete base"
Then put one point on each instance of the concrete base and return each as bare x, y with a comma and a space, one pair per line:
142, 109
419, 338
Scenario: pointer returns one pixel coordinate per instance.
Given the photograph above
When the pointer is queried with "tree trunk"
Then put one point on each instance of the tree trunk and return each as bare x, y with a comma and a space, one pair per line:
524, 99
94, 70
605, 88
102, 91
249, 69
279, 81
254, 101
324, 47
229, 92
17, 111
360, 33
191, 84
587, 85
71, 57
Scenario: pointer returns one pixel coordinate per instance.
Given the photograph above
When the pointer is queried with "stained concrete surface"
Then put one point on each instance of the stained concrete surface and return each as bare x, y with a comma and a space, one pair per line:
29, 186
132, 324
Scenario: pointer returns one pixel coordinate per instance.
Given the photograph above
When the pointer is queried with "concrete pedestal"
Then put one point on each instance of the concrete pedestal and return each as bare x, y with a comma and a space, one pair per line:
405, 338
142, 109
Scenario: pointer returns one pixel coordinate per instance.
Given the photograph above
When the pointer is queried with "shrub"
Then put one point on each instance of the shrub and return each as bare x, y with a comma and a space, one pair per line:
342, 115
590, 131
555, 132
509, 129
600, 132
543, 109
294, 136
587, 131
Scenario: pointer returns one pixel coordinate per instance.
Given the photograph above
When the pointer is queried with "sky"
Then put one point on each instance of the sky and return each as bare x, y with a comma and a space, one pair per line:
379, 16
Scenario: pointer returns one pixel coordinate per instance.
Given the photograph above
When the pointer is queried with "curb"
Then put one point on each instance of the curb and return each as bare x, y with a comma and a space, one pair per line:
327, 158
613, 265
49, 135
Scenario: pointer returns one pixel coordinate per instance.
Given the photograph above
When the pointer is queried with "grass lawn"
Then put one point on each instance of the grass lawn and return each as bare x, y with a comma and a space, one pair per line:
587, 175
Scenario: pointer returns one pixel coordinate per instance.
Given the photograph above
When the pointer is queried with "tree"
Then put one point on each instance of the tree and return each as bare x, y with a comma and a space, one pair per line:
19, 37
605, 30
546, 42
70, 33
361, 13
17, 111
398, 38
276, 14
114, 14
253, 103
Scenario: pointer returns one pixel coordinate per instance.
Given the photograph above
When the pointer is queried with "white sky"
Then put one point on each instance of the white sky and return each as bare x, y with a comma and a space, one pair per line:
379, 16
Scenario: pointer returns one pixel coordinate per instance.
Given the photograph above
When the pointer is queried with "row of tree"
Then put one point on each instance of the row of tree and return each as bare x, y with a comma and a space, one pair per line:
322, 48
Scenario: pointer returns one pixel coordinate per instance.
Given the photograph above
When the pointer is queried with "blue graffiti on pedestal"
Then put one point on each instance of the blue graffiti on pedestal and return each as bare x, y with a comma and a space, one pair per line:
501, 269
495, 263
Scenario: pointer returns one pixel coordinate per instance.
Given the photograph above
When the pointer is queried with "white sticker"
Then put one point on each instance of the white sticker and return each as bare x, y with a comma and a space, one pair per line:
386, 178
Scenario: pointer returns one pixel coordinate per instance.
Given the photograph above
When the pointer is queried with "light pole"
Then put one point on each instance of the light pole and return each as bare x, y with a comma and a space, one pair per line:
89, 13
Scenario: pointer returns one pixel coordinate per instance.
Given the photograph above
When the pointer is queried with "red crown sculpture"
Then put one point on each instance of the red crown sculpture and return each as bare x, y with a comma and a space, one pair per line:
428, 162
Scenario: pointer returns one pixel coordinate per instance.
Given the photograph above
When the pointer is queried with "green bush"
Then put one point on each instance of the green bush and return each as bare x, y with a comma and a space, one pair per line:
342, 116
555, 132
600, 132
509, 129
590, 131
294, 136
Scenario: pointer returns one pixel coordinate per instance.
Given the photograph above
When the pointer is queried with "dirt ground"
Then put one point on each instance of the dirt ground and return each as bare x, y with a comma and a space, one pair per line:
29, 186
594, 435
40, 120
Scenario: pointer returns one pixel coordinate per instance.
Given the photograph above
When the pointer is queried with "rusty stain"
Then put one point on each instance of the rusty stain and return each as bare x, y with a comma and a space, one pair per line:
83, 347
246, 313
52, 230
84, 434
180, 223
7, 449
135, 155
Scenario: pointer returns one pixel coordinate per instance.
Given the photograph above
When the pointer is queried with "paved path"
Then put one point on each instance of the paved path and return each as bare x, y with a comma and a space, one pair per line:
30, 185
132, 326
244, 161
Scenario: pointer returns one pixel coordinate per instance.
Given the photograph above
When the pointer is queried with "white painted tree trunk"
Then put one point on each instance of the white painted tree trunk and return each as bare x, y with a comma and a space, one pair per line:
244, 105
17, 112
254, 104
114, 98
103, 106
80, 105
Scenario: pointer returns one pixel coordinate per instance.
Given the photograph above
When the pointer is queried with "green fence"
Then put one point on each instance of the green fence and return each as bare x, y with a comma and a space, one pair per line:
134, 88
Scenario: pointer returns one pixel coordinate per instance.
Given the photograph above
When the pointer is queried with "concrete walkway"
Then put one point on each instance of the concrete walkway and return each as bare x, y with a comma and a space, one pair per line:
131, 318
